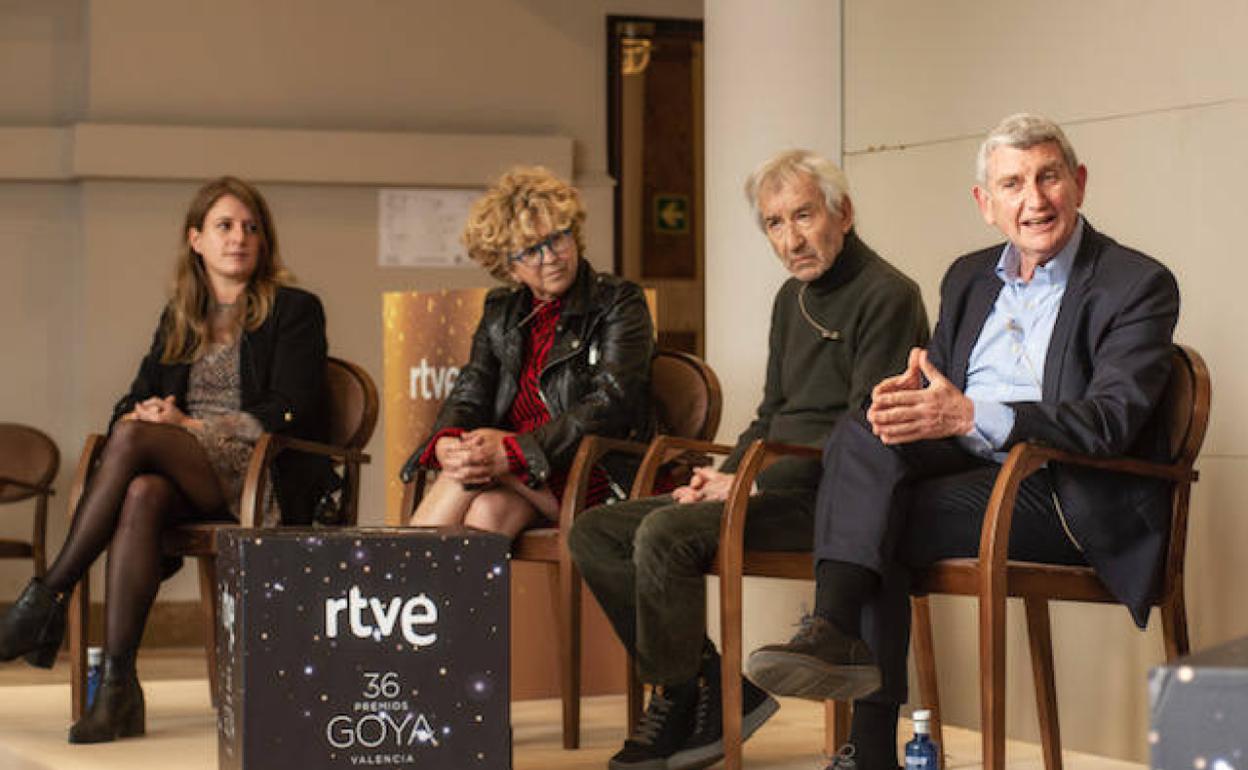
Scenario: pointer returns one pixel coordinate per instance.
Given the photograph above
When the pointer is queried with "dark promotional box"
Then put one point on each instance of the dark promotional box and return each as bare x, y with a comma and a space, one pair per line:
376, 648
1200, 710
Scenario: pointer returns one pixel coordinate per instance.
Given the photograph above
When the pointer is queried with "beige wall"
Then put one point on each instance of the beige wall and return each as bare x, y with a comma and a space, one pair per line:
322, 102
1156, 103
797, 82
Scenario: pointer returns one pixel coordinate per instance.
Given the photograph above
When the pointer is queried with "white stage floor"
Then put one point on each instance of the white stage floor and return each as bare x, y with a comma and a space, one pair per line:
181, 734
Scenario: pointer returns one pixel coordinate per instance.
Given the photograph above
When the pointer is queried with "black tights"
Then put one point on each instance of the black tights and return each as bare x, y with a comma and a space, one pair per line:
150, 477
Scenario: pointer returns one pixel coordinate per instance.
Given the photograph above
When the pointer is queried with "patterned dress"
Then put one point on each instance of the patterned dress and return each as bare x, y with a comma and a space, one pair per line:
228, 434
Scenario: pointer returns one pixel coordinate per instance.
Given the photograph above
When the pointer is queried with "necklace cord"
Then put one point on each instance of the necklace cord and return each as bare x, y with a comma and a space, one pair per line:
824, 332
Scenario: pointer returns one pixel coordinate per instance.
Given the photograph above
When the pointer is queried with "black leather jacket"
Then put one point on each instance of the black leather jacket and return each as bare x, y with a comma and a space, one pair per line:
596, 379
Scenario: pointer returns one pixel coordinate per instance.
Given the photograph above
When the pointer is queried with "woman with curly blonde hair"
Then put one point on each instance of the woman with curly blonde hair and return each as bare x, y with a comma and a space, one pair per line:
236, 352
561, 351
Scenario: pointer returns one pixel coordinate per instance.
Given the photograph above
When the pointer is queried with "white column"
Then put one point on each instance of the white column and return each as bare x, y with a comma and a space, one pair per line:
773, 82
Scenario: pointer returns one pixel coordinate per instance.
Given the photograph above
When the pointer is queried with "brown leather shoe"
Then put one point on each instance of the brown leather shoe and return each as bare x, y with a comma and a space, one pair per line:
818, 663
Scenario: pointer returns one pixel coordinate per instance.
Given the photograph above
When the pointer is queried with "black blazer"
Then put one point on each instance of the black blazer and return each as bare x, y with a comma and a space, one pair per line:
282, 370
1107, 365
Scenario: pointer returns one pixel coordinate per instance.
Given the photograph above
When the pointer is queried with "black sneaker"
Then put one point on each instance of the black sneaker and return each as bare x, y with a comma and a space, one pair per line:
664, 727
819, 663
705, 745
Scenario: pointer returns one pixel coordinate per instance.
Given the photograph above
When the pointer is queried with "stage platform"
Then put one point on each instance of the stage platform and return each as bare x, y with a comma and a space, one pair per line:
34, 716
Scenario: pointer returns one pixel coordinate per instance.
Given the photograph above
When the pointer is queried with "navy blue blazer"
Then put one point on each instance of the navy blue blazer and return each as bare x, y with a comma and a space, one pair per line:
1106, 368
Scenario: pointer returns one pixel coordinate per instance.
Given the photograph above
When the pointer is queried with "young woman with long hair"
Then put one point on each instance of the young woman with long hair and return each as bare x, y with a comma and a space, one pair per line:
236, 352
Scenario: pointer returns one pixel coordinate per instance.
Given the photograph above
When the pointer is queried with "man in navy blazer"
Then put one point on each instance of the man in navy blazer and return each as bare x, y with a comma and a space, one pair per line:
1061, 336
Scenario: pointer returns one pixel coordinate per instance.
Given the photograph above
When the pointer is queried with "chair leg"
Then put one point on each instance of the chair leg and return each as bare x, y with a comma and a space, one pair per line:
1041, 641
79, 614
636, 694
569, 615
992, 678
38, 541
925, 664
836, 717
1174, 626
730, 598
208, 606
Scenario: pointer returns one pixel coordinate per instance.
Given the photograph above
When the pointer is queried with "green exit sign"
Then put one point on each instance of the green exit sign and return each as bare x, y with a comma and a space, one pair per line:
671, 214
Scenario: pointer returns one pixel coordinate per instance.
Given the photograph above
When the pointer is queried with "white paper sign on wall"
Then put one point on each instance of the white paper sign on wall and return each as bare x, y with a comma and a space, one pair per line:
421, 228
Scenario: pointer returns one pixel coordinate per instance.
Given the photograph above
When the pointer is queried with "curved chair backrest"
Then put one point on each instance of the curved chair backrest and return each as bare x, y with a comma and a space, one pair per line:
687, 396
1184, 407
27, 455
353, 404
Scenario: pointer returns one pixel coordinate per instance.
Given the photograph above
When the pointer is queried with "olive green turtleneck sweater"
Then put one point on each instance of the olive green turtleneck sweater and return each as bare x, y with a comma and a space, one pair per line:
875, 314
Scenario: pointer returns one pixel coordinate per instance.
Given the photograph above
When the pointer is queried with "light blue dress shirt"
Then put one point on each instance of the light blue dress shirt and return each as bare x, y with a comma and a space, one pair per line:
1007, 362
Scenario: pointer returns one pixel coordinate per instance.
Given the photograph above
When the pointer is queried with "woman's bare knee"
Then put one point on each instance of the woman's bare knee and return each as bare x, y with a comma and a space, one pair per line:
444, 504
500, 511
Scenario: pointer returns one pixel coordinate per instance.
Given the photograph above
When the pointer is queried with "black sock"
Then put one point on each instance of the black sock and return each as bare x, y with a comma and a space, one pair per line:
873, 733
841, 588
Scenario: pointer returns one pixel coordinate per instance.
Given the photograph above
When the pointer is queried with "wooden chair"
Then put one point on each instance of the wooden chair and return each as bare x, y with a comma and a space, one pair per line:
29, 461
688, 400
992, 576
733, 562
353, 407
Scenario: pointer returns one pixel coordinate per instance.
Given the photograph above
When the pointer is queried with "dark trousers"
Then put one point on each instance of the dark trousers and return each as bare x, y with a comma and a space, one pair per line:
892, 509
646, 563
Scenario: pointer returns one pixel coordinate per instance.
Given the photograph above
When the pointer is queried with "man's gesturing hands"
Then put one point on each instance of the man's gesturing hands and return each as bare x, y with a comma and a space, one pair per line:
904, 410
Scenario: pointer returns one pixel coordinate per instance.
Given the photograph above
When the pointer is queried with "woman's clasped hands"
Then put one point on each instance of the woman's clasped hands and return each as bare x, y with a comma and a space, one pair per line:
476, 457
163, 410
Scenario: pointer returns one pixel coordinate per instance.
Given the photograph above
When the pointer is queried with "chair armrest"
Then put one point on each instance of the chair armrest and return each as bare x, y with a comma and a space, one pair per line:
25, 486
1027, 458
1129, 465
660, 451
342, 454
994, 538
592, 449
91, 449
758, 456
266, 450
256, 480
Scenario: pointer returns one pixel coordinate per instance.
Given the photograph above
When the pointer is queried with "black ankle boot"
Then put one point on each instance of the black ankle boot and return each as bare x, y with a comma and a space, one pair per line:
34, 626
118, 710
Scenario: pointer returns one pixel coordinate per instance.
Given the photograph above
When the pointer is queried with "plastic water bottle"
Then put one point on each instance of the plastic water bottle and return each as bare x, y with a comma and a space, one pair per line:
95, 663
922, 753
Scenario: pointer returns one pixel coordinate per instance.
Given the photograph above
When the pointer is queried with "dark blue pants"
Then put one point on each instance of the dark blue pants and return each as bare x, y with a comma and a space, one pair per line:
892, 509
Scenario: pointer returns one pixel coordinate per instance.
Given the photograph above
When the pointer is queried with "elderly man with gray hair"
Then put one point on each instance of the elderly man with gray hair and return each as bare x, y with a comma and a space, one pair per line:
1060, 335
844, 320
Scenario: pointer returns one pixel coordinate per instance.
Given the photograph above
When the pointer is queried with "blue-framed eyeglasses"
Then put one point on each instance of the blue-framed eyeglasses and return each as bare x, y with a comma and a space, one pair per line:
557, 242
